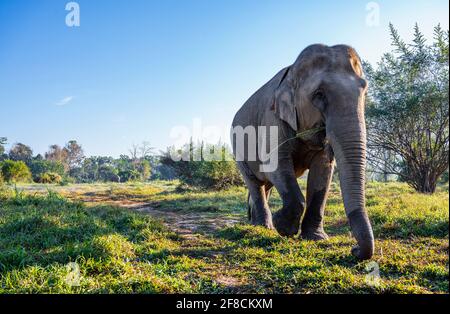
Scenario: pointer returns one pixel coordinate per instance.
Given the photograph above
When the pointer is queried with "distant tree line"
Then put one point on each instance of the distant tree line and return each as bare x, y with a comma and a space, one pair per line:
68, 164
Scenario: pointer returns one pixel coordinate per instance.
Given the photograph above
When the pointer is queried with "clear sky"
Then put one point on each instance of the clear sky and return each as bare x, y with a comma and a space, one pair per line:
135, 69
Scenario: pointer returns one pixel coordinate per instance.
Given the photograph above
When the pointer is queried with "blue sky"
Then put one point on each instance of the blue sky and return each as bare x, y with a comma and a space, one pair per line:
134, 69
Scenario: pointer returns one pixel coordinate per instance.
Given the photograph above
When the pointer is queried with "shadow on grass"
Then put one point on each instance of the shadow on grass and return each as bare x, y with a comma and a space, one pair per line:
40, 231
407, 227
399, 228
190, 203
248, 235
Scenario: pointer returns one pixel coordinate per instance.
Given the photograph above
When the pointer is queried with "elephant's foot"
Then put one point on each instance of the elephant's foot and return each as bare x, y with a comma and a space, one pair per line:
286, 226
266, 224
315, 235
262, 220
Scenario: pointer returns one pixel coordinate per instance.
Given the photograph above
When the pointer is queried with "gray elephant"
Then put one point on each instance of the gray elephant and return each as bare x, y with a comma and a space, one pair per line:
322, 94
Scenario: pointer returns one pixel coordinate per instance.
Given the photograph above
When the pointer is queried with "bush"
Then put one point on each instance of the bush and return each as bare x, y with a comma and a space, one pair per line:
216, 174
49, 177
15, 171
66, 180
39, 167
107, 173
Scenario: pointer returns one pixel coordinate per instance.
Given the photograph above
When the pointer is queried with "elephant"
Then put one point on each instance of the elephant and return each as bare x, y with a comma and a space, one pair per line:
322, 92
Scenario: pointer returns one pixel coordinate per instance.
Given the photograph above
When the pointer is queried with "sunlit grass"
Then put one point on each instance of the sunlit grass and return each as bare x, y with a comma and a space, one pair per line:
119, 250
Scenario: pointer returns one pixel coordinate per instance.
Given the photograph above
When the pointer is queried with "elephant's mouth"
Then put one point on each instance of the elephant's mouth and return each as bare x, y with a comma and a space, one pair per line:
315, 138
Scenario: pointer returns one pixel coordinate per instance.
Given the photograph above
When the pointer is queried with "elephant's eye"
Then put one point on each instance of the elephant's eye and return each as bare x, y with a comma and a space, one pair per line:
319, 95
319, 99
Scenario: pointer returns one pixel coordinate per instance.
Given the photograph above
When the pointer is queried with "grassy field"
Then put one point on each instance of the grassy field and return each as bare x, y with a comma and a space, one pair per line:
154, 238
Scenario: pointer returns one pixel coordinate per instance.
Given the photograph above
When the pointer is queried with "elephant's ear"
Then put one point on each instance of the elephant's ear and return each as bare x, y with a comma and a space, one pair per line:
284, 101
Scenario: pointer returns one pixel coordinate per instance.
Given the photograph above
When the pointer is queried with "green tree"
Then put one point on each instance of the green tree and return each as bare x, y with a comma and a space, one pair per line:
3, 141
15, 171
108, 173
208, 171
408, 113
40, 166
144, 169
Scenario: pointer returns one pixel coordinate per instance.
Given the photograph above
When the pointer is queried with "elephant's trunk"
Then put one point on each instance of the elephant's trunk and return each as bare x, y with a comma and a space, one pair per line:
348, 140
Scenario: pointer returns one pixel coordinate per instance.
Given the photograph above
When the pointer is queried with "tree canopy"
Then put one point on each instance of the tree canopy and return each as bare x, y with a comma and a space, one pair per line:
407, 111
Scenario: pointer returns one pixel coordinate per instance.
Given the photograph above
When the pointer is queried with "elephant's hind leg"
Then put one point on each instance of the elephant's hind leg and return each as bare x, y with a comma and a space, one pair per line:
251, 204
258, 210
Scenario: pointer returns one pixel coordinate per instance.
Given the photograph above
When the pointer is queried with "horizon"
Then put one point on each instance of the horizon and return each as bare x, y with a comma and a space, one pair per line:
134, 73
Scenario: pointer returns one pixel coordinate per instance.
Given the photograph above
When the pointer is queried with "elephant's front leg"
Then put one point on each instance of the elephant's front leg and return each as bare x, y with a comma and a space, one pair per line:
287, 219
319, 179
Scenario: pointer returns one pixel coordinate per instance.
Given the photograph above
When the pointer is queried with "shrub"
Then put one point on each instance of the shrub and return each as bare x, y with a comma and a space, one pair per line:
216, 174
107, 173
15, 171
40, 166
49, 177
66, 180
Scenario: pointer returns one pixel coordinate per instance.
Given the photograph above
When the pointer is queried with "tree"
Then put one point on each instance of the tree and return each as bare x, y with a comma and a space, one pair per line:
21, 152
408, 113
3, 141
140, 167
132, 169
134, 152
57, 154
107, 173
145, 150
74, 154
142, 151
218, 173
15, 171
143, 167
38, 167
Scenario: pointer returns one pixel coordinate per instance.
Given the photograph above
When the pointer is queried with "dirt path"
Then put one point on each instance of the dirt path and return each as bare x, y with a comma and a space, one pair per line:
187, 225
195, 230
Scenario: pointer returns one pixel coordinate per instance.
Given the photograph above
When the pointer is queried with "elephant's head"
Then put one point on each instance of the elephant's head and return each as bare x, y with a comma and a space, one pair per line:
325, 85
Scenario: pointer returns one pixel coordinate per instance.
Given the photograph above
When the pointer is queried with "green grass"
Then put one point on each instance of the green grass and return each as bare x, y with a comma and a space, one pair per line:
118, 250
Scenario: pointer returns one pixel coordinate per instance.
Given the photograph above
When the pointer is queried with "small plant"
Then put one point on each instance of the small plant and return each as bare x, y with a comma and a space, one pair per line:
18, 196
49, 178
66, 181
